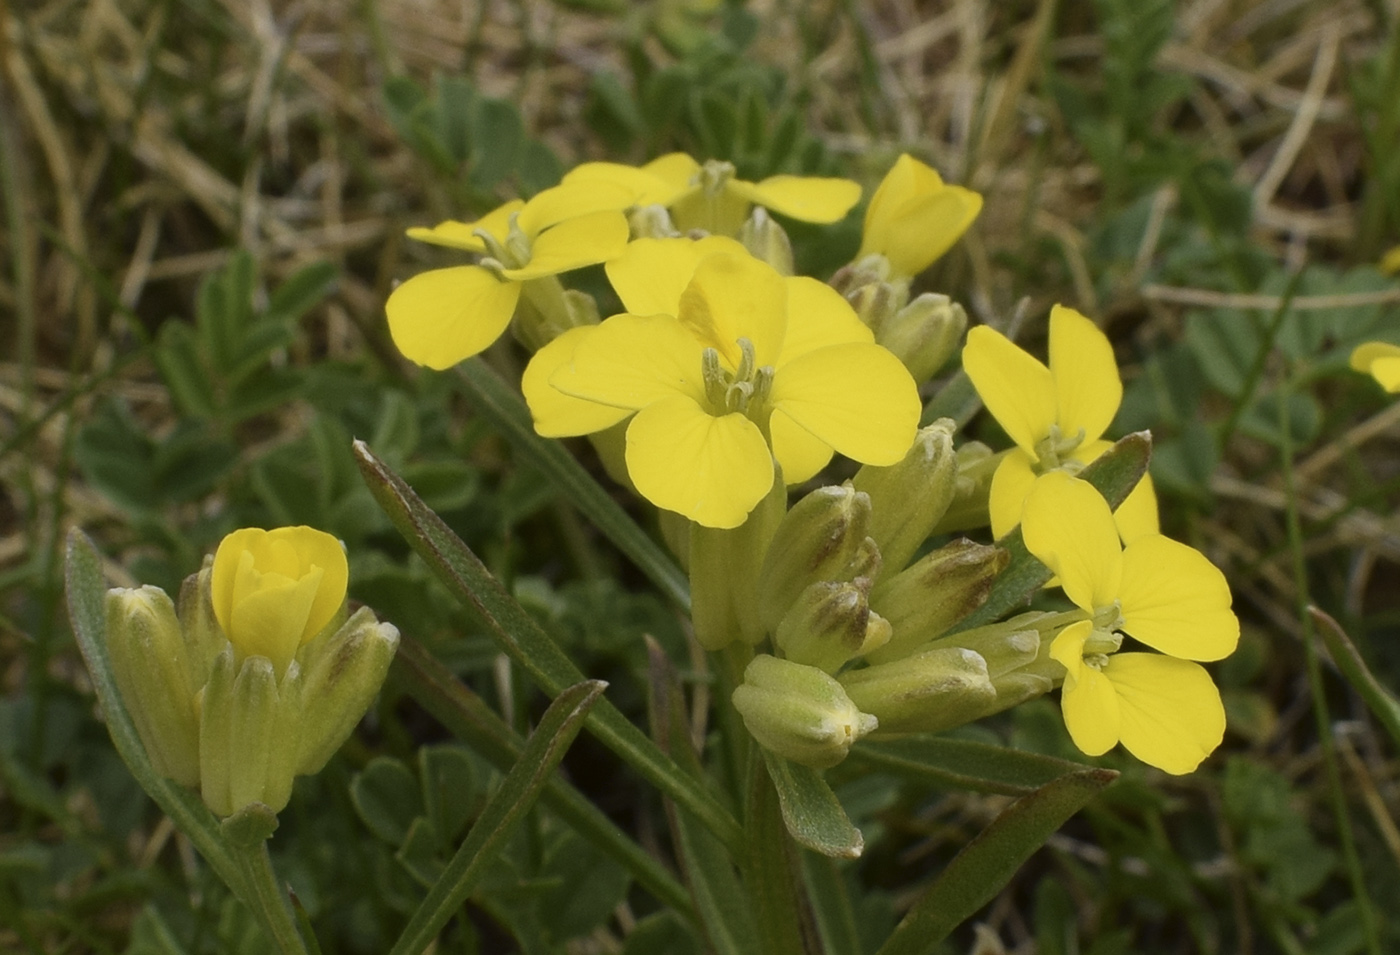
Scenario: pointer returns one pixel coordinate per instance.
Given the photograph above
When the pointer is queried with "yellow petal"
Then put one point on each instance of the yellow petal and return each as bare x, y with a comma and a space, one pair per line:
857, 398
808, 198
268, 621
907, 180
459, 235
1088, 700
646, 188
736, 296
650, 274
1137, 516
711, 470
818, 316
677, 170
1387, 372
1176, 601
1011, 482
1170, 714
570, 201
556, 414
574, 243
800, 453
441, 317
1087, 387
1016, 389
914, 218
629, 361
1067, 525
1390, 262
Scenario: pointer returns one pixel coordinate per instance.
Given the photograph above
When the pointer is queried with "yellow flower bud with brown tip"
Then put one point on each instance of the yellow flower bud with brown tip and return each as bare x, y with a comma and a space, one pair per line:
275, 590
925, 600
908, 498
830, 624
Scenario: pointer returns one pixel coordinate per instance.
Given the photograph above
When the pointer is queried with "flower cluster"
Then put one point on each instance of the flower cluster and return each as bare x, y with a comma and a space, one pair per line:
258, 676
726, 378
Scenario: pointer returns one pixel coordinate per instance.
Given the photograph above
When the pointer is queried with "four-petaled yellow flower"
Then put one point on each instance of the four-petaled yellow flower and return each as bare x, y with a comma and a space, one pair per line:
1161, 706
1380, 360
709, 197
444, 316
723, 365
1056, 415
914, 217
274, 590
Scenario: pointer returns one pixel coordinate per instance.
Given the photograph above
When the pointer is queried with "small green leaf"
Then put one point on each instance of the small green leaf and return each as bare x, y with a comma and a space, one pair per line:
988, 862
452, 788
498, 133
302, 291
386, 796
964, 764
812, 812
182, 366
419, 852
1381, 702
456, 101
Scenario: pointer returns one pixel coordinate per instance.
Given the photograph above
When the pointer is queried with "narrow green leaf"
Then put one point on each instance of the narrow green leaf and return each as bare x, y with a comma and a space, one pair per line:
302, 291
505, 810
831, 904
1114, 473
1382, 704
812, 812
964, 764
468, 717
86, 609
517, 634
506, 411
987, 863
957, 399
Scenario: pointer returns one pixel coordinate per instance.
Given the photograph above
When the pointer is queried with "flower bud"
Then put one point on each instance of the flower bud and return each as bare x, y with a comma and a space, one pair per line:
766, 240
204, 638
817, 539
342, 671
907, 499
273, 591
830, 624
651, 222
968, 509
936, 592
924, 333
929, 691
151, 668
248, 744
724, 572
799, 712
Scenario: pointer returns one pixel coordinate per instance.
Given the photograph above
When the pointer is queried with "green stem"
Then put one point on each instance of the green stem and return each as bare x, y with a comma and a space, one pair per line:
770, 878
266, 896
1314, 668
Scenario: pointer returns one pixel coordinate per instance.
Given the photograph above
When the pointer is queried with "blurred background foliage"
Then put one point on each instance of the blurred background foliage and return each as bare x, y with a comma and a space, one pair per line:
204, 203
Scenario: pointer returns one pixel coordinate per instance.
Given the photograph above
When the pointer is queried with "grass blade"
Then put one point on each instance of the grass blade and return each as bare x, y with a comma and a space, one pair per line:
1382, 704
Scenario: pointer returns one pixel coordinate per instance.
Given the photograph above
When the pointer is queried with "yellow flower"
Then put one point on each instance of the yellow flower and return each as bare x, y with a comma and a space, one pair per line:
709, 197
1056, 415
914, 217
1380, 360
723, 365
274, 590
444, 316
1161, 706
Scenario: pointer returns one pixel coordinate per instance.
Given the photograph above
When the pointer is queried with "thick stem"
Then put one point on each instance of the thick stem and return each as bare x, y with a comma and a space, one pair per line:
771, 879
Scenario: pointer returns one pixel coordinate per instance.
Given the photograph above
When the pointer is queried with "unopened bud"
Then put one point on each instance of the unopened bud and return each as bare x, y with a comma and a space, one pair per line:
865, 562
907, 499
766, 240
941, 588
830, 624
799, 712
924, 333
204, 638
724, 573
815, 541
152, 672
968, 509
248, 734
341, 673
929, 691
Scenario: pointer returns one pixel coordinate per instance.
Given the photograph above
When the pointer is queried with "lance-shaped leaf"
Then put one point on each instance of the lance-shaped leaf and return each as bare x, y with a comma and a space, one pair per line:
505, 810
988, 862
522, 639
1114, 473
812, 812
964, 764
